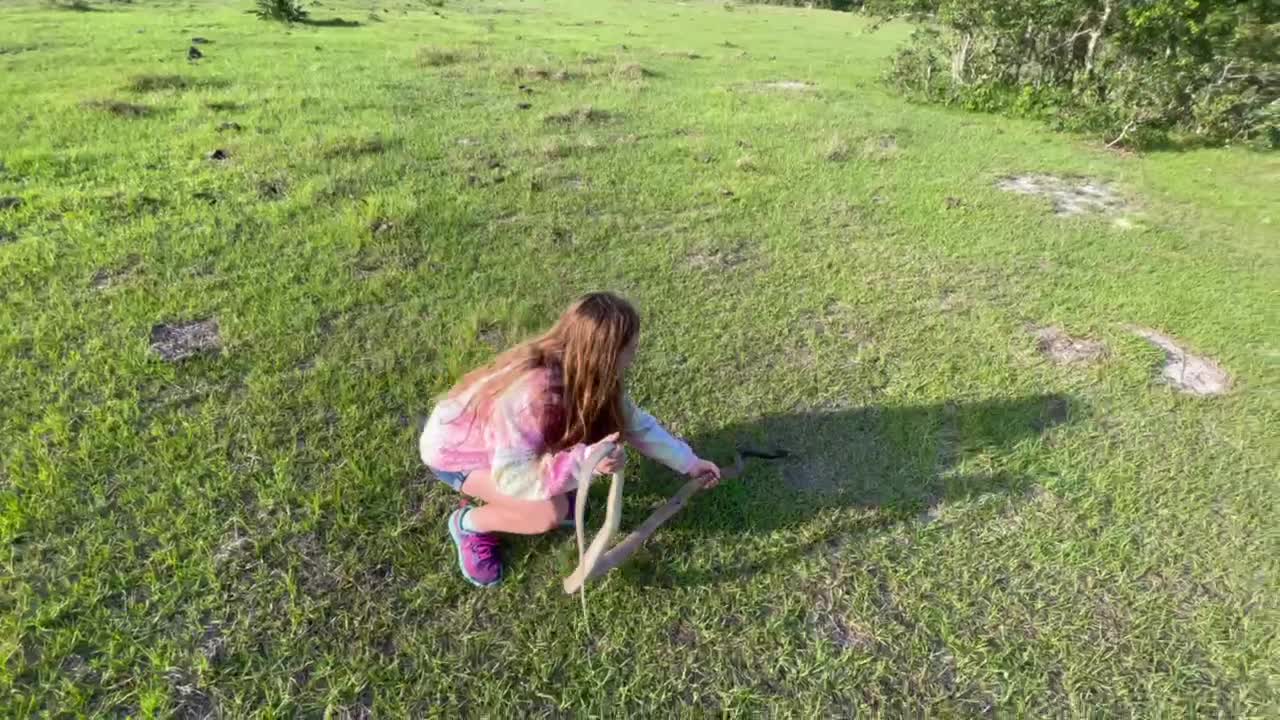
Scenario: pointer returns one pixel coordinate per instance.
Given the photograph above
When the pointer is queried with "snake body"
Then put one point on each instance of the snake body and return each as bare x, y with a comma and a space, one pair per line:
595, 561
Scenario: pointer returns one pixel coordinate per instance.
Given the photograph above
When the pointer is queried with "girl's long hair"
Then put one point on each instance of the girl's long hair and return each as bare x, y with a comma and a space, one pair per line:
584, 347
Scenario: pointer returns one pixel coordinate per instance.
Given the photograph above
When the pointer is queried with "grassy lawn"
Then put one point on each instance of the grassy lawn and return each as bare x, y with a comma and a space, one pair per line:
967, 526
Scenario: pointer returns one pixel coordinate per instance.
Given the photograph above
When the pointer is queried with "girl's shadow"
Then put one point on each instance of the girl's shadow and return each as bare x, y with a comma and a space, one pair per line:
898, 462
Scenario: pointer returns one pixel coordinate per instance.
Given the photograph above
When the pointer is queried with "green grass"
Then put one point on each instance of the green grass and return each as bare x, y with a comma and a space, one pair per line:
966, 528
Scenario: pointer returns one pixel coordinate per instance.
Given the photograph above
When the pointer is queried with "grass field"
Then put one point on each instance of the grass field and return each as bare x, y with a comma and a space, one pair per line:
967, 527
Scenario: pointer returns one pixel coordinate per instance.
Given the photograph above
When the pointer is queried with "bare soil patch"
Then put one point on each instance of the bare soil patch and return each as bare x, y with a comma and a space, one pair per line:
177, 342
119, 108
1069, 196
837, 150
1186, 371
1063, 349
584, 115
716, 260
110, 277
633, 71
357, 147
152, 83
432, 56
789, 85
534, 72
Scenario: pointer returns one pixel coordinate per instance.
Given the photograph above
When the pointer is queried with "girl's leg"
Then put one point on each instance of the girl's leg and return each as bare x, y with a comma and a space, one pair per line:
504, 514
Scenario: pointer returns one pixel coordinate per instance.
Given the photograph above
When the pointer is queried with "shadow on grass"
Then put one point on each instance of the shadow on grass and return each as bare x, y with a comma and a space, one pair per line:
898, 463
330, 22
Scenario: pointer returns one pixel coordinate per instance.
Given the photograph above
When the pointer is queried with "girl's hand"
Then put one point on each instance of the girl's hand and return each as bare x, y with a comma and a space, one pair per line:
613, 460
708, 471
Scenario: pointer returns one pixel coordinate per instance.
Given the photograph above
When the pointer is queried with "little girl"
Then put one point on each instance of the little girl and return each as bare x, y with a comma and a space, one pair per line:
515, 433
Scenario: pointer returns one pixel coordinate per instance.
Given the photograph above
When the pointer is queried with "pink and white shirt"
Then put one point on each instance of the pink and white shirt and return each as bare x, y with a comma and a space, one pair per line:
505, 437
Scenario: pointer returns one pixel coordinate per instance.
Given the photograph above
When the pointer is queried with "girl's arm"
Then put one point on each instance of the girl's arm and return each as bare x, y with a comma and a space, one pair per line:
648, 436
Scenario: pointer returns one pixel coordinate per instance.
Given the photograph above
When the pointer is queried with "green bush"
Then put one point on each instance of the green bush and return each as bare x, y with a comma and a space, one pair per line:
286, 11
1134, 72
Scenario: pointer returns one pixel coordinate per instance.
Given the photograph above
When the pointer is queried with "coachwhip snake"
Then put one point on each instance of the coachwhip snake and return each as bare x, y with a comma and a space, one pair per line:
595, 560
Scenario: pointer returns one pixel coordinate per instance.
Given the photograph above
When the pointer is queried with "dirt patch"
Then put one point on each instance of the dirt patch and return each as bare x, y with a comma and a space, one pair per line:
213, 645
174, 343
560, 148
110, 277
154, 83
1063, 349
716, 260
683, 635
789, 85
493, 336
190, 700
534, 72
432, 56
837, 150
119, 108
1055, 411
882, 147
352, 148
837, 629
581, 116
272, 189
1188, 372
1069, 196
632, 71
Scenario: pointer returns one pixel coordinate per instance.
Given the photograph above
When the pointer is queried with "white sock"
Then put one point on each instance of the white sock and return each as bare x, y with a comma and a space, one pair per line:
465, 521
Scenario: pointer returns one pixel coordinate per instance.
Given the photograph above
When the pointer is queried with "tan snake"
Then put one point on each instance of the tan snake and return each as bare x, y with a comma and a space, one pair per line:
594, 561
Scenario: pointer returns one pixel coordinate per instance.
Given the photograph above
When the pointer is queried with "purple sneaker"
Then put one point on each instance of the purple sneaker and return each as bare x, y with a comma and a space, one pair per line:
478, 555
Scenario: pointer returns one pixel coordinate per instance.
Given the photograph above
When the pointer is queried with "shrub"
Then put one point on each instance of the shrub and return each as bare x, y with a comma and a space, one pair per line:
285, 11
1133, 72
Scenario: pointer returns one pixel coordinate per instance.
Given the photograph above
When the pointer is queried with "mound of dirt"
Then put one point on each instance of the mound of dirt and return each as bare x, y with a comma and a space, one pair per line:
1188, 372
1070, 196
174, 343
1063, 349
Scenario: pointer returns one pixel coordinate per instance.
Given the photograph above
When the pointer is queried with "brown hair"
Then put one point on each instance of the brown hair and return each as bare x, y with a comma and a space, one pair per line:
584, 348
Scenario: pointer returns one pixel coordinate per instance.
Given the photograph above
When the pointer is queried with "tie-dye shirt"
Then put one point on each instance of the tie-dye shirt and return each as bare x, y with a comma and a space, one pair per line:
506, 438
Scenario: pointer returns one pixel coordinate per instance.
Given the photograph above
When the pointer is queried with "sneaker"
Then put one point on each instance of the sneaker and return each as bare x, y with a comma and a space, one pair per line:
478, 555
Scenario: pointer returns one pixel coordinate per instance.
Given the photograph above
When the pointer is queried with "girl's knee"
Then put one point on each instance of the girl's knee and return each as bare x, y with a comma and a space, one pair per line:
549, 512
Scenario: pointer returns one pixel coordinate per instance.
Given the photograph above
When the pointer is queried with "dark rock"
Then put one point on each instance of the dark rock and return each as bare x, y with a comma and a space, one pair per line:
194, 53
218, 154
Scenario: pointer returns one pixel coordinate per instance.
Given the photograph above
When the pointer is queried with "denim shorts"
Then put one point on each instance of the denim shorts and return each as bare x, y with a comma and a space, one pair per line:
452, 478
